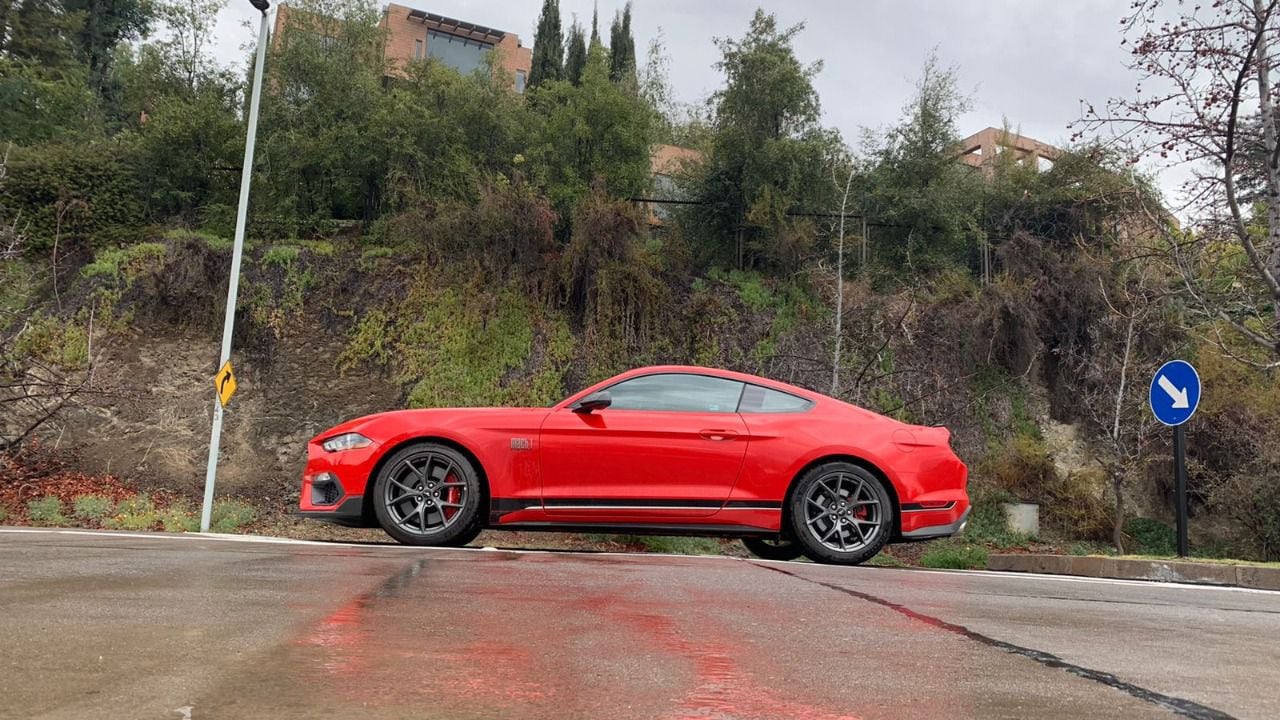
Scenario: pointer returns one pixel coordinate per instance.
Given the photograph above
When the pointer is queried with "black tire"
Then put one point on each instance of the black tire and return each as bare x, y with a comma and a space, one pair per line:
773, 548
408, 480
859, 522
465, 538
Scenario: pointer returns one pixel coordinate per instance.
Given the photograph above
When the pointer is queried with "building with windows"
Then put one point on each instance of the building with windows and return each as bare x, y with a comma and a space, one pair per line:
665, 163
411, 34
418, 34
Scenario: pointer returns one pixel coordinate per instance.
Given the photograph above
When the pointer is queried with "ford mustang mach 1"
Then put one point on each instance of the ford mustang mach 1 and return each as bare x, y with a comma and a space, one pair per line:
665, 450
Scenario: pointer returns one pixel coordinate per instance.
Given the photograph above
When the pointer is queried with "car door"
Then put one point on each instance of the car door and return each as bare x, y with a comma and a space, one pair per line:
669, 445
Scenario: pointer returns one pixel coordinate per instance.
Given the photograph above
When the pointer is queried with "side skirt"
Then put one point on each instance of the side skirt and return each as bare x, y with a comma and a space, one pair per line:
736, 531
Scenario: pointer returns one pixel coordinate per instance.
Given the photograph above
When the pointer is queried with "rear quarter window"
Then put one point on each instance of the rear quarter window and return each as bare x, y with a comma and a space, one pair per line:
756, 399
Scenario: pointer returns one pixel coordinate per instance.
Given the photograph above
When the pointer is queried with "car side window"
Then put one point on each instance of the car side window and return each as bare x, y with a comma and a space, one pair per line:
676, 392
756, 399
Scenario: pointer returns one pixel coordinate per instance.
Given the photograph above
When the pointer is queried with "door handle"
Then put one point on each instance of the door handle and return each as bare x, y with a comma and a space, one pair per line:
718, 435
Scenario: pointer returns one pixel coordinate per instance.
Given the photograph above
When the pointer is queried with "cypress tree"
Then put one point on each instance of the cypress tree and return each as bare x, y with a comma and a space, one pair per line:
576, 56
622, 49
595, 29
548, 46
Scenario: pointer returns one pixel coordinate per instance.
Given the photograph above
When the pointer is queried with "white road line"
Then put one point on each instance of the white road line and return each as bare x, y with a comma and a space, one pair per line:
266, 540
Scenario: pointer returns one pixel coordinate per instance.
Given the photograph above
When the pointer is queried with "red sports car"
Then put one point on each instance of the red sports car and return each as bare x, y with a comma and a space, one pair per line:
665, 450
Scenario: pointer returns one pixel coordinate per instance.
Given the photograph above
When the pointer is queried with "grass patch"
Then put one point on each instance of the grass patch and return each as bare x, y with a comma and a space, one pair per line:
988, 524
674, 545
320, 248
1082, 549
884, 559
4, 513
465, 346
179, 518
47, 511
952, 556
281, 255
134, 513
212, 241
127, 262
1152, 537
231, 515
92, 508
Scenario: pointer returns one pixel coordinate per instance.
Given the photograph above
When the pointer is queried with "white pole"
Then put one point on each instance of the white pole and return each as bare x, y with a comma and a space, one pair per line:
233, 288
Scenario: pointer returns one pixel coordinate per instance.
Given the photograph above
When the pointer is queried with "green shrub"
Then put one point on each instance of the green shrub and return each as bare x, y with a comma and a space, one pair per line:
4, 514
76, 193
231, 515
955, 557
93, 508
53, 341
135, 513
47, 511
1152, 537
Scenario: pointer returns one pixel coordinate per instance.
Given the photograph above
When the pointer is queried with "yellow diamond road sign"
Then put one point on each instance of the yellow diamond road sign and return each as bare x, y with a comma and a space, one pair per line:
225, 382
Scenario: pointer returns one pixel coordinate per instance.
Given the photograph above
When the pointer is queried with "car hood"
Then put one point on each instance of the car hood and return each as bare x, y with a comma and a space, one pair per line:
437, 417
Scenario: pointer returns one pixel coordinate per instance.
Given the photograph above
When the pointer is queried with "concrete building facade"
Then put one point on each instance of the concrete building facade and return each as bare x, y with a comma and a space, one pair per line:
981, 149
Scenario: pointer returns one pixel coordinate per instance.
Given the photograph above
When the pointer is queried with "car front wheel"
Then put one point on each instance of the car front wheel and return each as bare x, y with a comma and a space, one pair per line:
841, 513
428, 494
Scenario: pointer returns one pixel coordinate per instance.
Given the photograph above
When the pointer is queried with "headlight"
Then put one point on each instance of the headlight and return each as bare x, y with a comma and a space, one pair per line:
346, 441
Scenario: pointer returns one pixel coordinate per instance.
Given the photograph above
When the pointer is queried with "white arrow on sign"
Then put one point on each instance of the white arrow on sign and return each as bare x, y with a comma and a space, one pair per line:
1180, 400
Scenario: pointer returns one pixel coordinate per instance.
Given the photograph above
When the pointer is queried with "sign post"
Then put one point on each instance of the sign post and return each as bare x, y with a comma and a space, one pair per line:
225, 382
1174, 396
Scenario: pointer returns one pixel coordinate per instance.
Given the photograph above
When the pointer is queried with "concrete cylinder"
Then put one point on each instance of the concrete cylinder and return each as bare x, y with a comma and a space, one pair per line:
1023, 518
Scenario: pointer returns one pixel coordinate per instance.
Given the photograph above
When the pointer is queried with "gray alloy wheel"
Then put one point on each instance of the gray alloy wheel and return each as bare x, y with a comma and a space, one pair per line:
428, 494
841, 513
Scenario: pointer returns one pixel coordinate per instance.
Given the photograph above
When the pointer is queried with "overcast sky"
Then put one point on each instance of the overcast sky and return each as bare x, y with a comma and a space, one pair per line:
1030, 61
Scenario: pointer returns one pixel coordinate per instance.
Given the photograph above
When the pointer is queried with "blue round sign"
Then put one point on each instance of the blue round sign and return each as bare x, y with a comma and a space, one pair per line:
1175, 392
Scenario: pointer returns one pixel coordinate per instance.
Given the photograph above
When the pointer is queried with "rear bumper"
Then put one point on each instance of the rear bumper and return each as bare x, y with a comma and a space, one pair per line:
929, 532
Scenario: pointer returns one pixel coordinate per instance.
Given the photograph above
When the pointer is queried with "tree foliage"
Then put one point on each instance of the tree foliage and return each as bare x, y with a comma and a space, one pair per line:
769, 156
597, 132
1219, 68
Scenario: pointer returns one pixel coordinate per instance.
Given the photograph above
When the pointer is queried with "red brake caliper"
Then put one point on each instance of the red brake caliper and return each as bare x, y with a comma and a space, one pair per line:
453, 492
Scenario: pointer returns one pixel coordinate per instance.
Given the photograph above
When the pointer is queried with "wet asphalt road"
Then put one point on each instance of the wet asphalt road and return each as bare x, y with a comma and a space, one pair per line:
100, 625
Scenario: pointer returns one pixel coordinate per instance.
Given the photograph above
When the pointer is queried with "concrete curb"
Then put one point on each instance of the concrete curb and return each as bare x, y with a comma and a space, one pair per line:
1260, 578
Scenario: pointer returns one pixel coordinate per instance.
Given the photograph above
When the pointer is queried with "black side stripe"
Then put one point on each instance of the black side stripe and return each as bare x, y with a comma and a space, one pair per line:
623, 502
514, 504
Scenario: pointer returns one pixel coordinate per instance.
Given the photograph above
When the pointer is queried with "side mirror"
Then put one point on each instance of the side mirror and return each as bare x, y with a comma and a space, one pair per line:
594, 401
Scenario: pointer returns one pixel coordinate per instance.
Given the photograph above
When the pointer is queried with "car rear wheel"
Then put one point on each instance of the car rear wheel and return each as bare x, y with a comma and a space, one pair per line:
773, 548
428, 494
841, 513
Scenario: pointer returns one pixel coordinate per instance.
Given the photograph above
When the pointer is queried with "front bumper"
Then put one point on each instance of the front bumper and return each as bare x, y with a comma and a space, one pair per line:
929, 532
333, 485
349, 513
